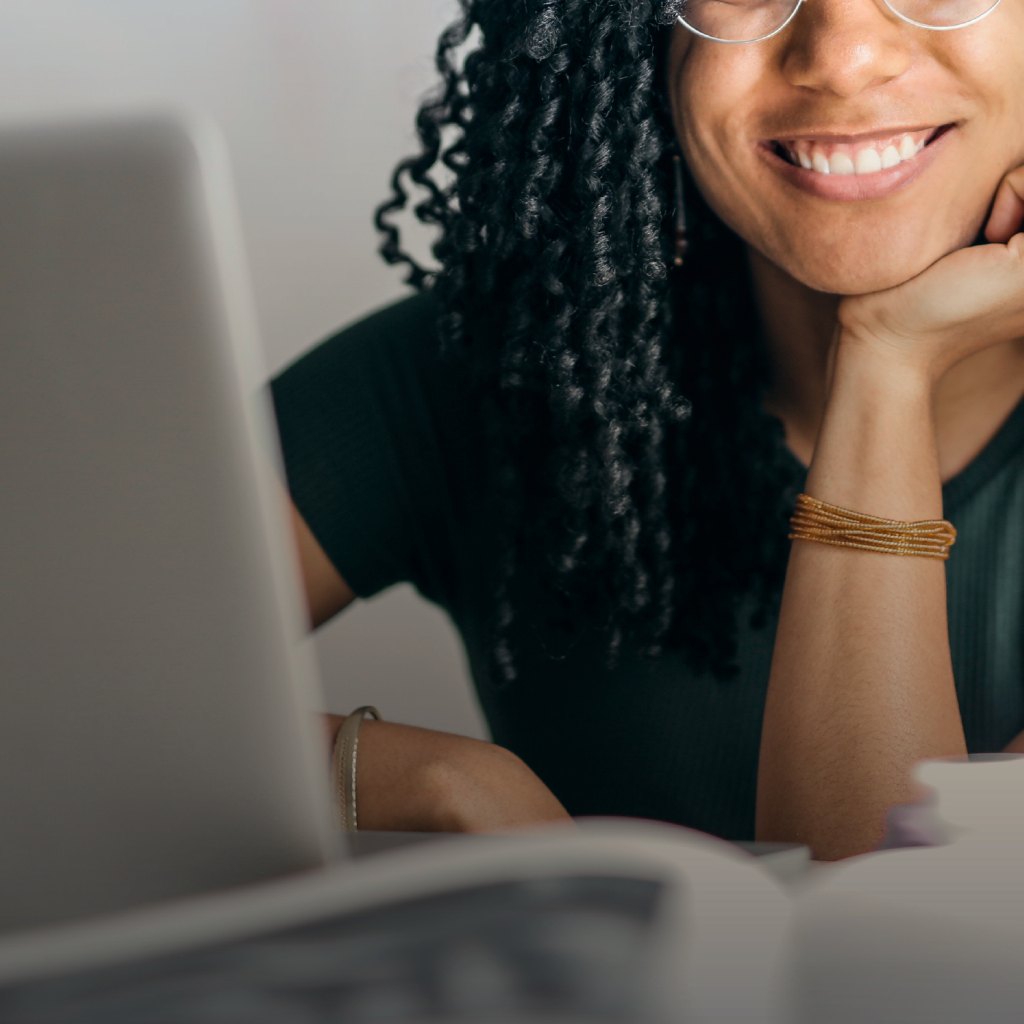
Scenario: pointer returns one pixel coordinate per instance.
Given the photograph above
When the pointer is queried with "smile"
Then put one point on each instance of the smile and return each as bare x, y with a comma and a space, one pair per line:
869, 157
852, 167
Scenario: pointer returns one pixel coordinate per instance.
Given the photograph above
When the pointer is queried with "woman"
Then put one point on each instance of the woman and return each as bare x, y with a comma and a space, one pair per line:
595, 478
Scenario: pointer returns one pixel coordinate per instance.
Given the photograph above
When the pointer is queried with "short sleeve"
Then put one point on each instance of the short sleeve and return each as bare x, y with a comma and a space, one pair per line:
369, 421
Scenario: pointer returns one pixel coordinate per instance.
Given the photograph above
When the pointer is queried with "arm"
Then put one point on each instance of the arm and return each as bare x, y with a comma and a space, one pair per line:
326, 592
417, 780
861, 685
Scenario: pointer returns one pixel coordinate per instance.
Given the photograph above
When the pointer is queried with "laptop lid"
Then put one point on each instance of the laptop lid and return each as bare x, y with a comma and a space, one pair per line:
156, 702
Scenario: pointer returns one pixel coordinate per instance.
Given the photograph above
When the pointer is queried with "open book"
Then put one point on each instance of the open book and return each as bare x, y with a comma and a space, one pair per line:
621, 921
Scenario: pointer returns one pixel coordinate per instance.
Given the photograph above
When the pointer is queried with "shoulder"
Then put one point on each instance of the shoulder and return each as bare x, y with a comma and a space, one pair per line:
388, 364
399, 335
382, 448
409, 325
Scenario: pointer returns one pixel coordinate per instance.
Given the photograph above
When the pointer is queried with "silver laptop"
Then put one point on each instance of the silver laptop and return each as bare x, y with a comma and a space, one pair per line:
157, 735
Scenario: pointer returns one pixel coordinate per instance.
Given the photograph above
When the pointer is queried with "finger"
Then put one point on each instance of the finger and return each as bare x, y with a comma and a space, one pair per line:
1007, 214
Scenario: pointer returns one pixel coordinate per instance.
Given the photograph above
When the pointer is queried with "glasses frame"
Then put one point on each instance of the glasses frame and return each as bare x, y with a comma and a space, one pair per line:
800, 3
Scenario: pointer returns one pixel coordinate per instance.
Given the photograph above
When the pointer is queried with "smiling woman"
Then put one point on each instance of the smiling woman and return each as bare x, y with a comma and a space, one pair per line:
590, 461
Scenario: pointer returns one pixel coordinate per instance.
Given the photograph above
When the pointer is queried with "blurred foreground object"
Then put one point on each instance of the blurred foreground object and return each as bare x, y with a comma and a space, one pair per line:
933, 933
627, 922
157, 735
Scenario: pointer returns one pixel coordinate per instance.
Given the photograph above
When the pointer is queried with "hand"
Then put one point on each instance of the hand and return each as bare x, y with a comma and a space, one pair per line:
967, 301
418, 780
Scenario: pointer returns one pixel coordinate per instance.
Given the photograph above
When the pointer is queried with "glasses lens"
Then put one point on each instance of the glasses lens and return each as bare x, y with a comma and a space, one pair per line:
942, 13
742, 21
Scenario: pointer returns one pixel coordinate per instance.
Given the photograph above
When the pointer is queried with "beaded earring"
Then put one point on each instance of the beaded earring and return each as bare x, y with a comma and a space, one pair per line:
682, 243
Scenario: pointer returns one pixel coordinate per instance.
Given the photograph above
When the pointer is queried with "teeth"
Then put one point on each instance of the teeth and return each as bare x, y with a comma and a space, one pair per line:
816, 157
841, 164
867, 162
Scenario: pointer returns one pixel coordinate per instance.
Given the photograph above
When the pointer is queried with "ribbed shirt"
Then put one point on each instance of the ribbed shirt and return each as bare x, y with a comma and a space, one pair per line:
383, 447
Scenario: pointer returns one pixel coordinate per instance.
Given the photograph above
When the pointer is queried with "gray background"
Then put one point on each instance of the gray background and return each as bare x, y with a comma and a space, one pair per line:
316, 98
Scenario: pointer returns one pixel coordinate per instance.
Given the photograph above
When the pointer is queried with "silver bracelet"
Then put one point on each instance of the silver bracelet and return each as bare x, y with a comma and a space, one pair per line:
346, 750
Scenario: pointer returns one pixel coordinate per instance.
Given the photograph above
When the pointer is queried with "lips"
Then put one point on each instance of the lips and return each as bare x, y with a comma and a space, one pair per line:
866, 155
870, 165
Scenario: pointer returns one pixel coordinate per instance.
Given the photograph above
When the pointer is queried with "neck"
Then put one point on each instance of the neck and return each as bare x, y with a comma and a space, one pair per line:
971, 401
798, 327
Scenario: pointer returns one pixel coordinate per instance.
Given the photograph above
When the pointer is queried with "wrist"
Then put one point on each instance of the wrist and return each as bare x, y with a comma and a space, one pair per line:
876, 450
882, 368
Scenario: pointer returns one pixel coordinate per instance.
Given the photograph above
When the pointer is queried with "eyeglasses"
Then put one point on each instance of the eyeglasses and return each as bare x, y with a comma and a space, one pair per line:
750, 21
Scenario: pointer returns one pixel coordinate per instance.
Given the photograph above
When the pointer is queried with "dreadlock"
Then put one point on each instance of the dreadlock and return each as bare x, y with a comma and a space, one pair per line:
629, 445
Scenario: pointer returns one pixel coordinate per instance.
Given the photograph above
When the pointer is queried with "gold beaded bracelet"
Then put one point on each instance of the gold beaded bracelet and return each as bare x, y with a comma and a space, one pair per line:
829, 524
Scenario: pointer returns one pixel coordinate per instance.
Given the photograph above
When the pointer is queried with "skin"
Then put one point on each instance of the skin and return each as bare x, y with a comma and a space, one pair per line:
848, 67
896, 355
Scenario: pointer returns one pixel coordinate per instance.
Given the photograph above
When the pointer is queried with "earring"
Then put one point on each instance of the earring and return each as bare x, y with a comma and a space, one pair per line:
682, 242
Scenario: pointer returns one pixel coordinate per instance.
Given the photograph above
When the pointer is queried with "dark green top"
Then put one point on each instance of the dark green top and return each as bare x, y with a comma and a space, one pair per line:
385, 460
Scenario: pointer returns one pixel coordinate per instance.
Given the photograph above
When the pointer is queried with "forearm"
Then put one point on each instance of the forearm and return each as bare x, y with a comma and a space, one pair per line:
861, 684
420, 780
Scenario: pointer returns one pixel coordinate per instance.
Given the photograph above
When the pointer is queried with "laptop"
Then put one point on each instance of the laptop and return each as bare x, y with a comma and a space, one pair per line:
157, 728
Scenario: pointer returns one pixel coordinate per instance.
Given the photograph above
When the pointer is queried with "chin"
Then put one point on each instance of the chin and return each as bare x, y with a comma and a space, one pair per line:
869, 250
844, 271
854, 280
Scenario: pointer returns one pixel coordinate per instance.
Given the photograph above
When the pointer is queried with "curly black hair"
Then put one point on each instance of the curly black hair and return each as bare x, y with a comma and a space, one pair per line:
624, 402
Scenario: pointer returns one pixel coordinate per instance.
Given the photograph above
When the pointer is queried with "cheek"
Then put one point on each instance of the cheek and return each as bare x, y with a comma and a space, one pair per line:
988, 68
1003, 86
714, 111
714, 89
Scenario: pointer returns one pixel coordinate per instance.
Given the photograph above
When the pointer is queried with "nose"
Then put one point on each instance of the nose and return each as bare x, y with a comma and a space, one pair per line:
845, 46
